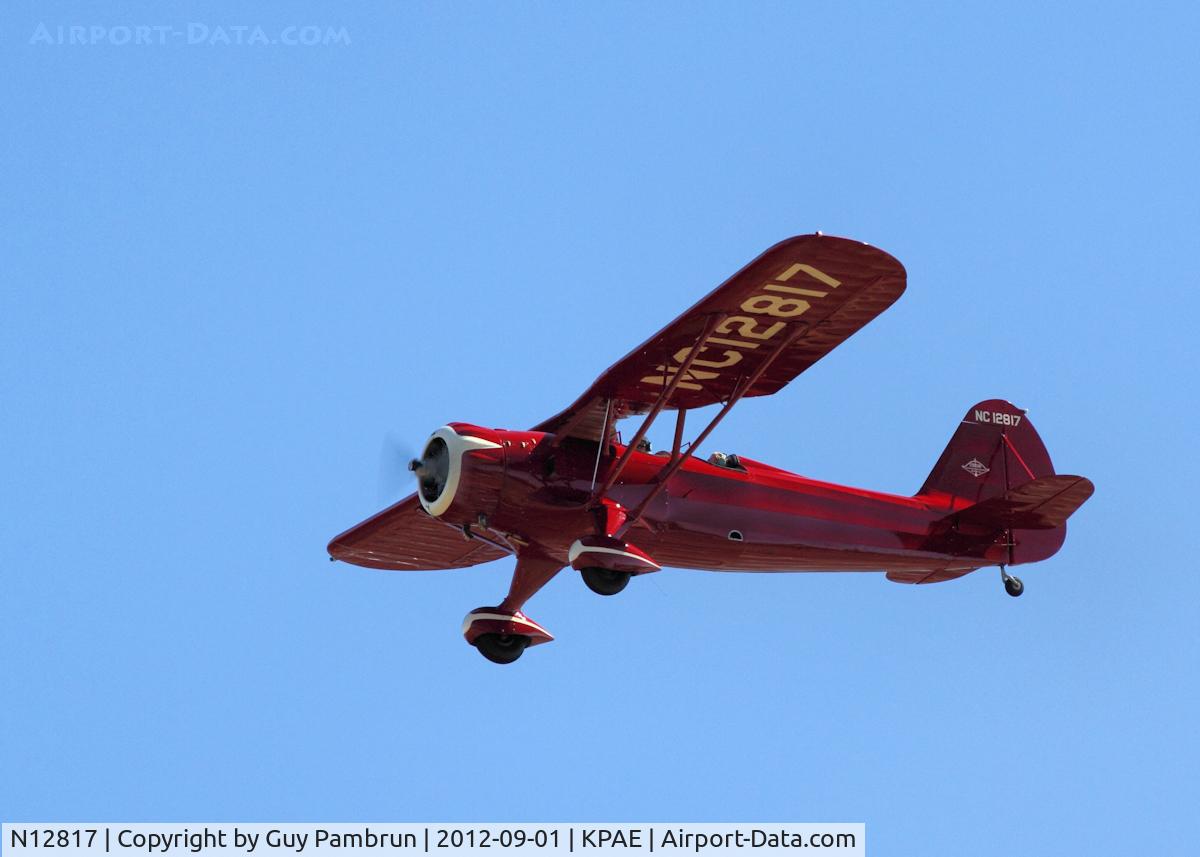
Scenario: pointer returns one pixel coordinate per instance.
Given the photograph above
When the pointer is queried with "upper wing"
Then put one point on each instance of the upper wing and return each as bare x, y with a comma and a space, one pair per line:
404, 537
814, 290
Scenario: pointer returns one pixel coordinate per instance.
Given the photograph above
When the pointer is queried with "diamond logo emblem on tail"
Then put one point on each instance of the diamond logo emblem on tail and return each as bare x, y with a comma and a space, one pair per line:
976, 467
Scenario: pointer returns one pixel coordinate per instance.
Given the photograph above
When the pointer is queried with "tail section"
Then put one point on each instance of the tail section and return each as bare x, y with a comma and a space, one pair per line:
1044, 503
995, 482
994, 449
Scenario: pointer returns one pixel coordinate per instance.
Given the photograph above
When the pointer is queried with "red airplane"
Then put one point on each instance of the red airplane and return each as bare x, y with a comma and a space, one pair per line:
570, 492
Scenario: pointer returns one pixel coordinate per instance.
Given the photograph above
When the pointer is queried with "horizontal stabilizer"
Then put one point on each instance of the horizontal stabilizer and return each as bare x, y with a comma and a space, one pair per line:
1040, 504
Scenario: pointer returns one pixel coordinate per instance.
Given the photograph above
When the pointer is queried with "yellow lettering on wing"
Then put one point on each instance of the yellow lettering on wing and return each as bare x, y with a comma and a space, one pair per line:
737, 343
776, 306
691, 376
747, 327
663, 380
731, 358
818, 275
794, 290
787, 302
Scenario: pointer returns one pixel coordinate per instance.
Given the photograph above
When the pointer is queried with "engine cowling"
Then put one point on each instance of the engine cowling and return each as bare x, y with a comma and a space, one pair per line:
460, 473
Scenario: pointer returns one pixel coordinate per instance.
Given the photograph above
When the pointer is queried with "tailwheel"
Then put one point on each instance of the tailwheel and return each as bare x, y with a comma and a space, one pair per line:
1012, 585
501, 648
605, 581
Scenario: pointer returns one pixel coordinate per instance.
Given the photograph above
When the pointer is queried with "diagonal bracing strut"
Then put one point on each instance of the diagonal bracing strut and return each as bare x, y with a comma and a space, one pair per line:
659, 404
677, 459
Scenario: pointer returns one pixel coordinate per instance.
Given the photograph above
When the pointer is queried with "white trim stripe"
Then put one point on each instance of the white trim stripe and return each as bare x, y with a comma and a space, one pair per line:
578, 549
502, 617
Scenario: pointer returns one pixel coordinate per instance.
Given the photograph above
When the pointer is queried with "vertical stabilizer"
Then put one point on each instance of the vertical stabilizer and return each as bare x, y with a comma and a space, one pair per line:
994, 449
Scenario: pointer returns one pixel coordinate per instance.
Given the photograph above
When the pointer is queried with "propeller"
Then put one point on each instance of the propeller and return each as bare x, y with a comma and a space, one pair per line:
396, 457
395, 463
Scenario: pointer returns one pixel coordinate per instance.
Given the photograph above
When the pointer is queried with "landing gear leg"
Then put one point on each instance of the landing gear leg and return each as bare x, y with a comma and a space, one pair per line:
1012, 585
501, 634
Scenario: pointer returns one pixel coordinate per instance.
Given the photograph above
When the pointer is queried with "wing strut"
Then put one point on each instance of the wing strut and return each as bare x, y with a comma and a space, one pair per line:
680, 416
661, 403
677, 458
601, 444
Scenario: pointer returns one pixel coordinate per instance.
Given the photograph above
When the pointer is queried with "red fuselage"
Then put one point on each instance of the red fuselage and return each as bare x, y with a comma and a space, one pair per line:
757, 518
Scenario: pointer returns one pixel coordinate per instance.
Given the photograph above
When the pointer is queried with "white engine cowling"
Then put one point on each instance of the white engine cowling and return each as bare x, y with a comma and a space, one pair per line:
446, 471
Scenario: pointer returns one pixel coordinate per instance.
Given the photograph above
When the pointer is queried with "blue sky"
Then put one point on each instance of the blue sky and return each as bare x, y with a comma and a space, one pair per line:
230, 271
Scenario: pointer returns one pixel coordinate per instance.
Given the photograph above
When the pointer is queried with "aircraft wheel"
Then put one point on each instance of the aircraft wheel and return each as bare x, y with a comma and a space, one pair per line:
501, 648
1013, 586
604, 581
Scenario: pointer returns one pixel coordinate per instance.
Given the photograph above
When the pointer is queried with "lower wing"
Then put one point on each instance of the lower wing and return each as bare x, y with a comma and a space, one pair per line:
404, 537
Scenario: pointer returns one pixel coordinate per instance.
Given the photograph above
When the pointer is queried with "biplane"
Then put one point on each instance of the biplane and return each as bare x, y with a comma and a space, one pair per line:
572, 492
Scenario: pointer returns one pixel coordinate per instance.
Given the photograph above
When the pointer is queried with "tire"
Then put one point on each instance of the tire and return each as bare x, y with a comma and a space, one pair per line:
604, 581
501, 648
1013, 586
